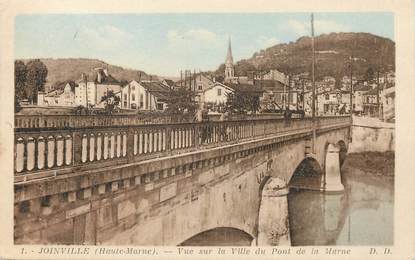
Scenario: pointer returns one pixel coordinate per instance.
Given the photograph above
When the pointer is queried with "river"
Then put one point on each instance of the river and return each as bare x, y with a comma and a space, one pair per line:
362, 215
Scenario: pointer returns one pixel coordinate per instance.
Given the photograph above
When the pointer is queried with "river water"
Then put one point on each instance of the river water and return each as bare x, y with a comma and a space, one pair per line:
362, 215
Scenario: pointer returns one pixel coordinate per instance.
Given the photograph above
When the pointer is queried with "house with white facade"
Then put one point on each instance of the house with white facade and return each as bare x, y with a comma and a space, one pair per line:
91, 88
145, 95
216, 94
358, 92
62, 96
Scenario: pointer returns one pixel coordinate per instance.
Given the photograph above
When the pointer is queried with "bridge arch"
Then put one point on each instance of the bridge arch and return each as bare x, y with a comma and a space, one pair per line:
220, 236
307, 175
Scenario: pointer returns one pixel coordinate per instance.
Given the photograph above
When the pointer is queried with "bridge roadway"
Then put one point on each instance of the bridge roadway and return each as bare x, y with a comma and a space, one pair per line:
92, 182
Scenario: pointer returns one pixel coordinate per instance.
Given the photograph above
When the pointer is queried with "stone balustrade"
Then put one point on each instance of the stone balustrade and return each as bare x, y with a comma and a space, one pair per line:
56, 144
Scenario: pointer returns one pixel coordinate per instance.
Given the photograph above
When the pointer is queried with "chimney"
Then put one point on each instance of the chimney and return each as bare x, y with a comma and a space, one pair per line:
99, 76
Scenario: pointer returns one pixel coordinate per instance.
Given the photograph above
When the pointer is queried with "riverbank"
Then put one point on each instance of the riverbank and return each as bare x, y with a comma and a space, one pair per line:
370, 163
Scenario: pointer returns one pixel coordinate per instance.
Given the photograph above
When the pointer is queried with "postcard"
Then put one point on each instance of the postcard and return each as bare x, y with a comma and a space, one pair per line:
190, 129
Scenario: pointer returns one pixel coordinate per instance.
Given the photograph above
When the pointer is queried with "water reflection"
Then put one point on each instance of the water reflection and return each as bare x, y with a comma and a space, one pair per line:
362, 215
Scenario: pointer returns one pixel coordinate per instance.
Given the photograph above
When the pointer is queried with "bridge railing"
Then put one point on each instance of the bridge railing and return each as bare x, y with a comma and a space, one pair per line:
62, 147
55, 121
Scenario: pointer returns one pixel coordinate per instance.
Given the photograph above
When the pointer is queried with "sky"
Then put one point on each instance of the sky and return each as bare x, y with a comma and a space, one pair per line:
164, 44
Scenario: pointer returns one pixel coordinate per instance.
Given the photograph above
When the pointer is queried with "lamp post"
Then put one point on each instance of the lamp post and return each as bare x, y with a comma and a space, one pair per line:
313, 105
351, 86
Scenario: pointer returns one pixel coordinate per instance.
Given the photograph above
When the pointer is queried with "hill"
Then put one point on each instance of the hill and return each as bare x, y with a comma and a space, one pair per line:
332, 55
61, 70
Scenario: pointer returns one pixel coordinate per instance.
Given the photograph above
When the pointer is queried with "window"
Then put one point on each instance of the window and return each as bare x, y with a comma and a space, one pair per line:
132, 88
133, 106
133, 97
141, 100
159, 106
219, 92
125, 96
125, 103
200, 87
327, 96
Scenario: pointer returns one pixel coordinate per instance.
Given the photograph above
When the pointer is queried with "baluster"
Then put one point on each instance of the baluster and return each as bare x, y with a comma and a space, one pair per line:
179, 138
106, 146
112, 145
172, 139
152, 140
91, 147
174, 132
68, 150
164, 141
30, 146
51, 151
187, 137
99, 146
118, 145
59, 150
155, 143
141, 142
40, 153
124, 144
167, 143
145, 141
20, 147
135, 149
84, 148
160, 141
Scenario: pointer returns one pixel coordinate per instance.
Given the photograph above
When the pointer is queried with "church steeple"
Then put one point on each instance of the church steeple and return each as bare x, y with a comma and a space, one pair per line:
229, 58
229, 70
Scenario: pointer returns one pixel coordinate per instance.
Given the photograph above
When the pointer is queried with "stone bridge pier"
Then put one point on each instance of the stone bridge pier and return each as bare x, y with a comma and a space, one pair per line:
332, 170
273, 222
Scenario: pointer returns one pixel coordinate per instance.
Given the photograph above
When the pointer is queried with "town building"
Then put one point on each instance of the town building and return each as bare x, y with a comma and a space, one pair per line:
358, 91
371, 103
277, 95
145, 95
217, 94
93, 87
273, 75
334, 102
168, 83
63, 96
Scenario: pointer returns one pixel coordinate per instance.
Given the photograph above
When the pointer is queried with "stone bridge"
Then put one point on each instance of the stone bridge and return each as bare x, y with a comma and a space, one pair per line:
132, 183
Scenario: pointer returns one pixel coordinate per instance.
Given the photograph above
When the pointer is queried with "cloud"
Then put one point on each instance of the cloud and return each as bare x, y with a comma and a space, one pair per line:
191, 35
103, 37
300, 28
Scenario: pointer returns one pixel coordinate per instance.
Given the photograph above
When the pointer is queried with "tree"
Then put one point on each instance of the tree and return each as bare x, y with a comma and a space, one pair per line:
111, 101
241, 102
20, 73
181, 100
35, 79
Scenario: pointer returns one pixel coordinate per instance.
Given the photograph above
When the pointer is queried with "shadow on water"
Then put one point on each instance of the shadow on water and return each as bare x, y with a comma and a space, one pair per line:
361, 215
